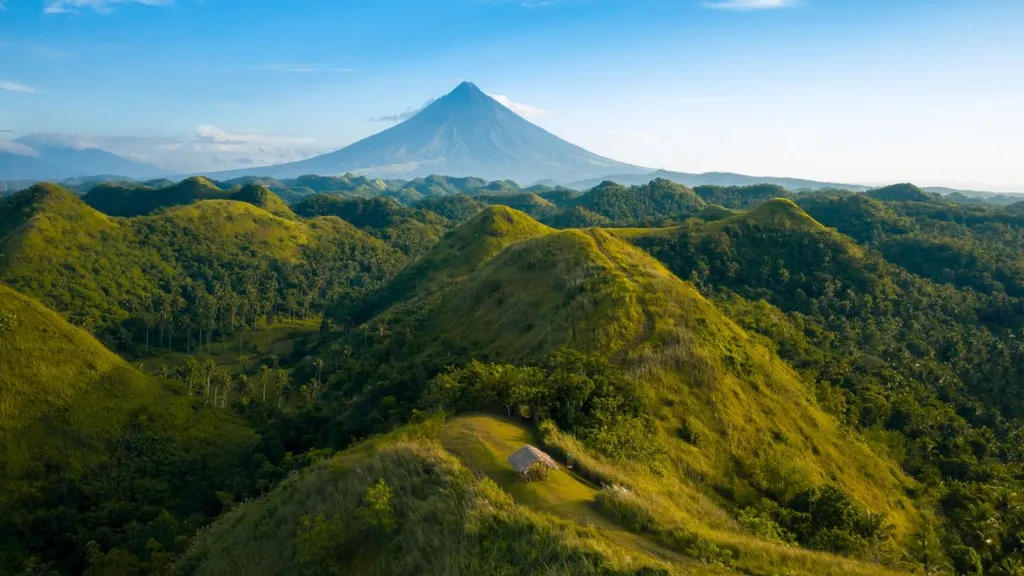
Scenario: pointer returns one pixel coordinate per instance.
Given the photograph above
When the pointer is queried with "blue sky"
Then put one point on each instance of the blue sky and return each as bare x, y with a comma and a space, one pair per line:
846, 90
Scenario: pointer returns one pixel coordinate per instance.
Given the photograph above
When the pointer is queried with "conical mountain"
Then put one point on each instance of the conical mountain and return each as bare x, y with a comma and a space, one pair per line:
465, 133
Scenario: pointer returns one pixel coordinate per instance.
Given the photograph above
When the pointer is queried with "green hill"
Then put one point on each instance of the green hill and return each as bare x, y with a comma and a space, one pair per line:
260, 196
439, 498
532, 204
740, 197
185, 270
901, 193
398, 505
459, 253
734, 423
85, 437
126, 200
859, 216
648, 204
413, 230
777, 213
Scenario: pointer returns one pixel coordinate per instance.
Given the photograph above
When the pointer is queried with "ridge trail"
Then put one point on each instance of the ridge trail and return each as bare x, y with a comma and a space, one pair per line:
647, 332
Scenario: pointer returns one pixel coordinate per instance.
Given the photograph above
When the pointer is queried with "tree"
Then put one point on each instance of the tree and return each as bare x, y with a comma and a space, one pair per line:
209, 369
966, 561
265, 373
243, 389
282, 381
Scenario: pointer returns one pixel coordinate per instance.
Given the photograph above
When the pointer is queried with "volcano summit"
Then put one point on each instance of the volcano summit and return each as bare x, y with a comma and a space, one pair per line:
464, 133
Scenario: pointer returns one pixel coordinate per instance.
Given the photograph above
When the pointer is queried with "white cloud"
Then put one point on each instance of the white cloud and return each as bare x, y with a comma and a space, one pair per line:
403, 116
213, 135
12, 147
743, 5
15, 87
302, 68
208, 148
524, 110
73, 141
101, 6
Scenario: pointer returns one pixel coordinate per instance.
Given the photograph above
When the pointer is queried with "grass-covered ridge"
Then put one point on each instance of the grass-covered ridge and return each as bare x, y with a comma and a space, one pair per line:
84, 435
127, 200
184, 269
735, 421
403, 505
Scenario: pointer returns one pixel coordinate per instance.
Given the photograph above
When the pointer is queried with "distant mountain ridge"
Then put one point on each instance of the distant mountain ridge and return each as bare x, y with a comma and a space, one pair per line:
36, 157
713, 179
465, 133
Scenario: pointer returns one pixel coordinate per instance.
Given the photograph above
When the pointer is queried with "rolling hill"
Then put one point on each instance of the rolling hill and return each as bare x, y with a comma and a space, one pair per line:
464, 133
120, 275
534, 291
84, 435
732, 424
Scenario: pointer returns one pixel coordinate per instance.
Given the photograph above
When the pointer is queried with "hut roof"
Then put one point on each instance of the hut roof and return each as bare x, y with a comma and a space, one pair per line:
527, 456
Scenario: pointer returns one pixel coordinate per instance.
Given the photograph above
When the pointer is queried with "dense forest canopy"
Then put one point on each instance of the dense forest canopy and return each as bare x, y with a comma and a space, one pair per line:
748, 379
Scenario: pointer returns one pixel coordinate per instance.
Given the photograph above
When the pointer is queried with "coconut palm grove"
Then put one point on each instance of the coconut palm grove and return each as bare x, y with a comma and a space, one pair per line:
482, 337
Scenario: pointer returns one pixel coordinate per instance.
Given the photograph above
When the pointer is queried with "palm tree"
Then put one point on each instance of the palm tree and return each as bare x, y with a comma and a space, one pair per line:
265, 376
319, 365
191, 371
242, 387
281, 381
209, 368
244, 360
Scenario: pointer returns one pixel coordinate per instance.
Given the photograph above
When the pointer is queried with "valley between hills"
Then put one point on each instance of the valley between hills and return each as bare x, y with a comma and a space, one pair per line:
204, 377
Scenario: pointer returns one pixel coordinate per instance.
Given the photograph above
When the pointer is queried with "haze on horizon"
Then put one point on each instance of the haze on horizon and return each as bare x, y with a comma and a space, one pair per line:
864, 92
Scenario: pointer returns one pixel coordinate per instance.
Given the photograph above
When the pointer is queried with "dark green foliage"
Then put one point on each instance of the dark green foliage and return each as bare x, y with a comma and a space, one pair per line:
741, 197
118, 199
101, 464
658, 203
582, 394
127, 200
926, 369
966, 561
826, 519
456, 208
413, 230
531, 204
185, 274
901, 193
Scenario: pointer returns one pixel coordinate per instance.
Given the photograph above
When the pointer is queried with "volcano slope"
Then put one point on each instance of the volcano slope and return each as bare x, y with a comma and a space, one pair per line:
733, 427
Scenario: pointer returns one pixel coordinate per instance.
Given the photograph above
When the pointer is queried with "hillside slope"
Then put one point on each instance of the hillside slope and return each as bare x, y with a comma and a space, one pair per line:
401, 504
159, 270
82, 428
761, 433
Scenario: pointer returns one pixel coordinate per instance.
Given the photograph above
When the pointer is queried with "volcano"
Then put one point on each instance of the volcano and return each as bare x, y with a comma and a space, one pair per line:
464, 133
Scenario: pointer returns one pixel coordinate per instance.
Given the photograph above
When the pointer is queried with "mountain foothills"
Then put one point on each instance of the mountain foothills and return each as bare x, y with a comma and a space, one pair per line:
326, 375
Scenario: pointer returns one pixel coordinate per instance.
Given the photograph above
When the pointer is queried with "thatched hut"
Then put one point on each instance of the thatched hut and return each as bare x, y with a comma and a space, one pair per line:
532, 464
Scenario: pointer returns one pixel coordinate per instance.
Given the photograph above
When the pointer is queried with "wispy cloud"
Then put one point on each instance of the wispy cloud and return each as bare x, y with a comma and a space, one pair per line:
207, 148
524, 110
402, 116
302, 68
101, 6
5, 131
15, 87
12, 147
744, 5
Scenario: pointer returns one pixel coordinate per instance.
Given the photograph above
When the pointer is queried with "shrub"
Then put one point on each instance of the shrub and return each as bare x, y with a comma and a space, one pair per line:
966, 561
